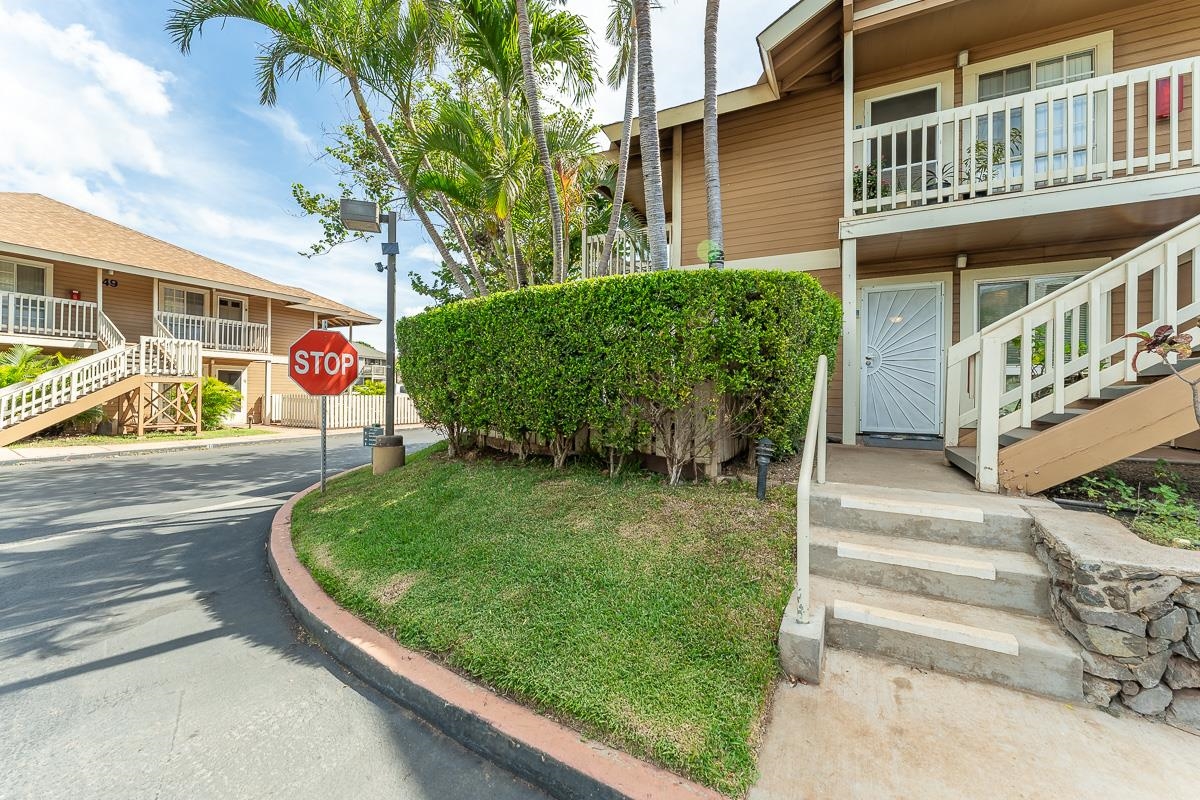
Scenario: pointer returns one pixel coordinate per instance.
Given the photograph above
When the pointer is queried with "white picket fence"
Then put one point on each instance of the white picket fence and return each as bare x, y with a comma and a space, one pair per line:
345, 410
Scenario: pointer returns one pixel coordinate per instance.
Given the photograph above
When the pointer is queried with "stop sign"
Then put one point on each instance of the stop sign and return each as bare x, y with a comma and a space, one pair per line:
323, 362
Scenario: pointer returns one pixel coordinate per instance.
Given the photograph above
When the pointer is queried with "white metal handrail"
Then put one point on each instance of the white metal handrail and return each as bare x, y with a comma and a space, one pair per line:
39, 315
816, 449
1076, 364
1096, 129
215, 333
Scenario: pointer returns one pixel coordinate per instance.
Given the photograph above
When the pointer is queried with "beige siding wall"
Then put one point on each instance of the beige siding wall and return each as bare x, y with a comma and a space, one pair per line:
129, 304
68, 277
281, 383
287, 325
781, 167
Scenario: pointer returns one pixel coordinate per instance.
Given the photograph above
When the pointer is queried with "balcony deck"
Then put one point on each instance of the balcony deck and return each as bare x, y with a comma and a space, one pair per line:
1105, 141
32, 315
216, 334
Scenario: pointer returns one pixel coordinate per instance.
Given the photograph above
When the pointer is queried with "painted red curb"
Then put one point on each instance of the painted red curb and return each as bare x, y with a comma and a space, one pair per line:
544, 752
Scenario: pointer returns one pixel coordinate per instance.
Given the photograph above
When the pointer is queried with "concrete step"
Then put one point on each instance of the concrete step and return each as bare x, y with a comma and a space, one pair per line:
980, 576
975, 519
963, 458
1008, 649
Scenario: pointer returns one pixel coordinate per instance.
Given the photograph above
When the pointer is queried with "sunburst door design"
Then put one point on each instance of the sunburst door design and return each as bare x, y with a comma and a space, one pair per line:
902, 360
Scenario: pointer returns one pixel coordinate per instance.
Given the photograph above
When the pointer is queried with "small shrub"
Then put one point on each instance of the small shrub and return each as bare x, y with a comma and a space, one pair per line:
217, 400
667, 353
370, 387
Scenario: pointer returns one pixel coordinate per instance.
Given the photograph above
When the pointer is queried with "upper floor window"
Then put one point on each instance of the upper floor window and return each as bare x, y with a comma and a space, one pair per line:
22, 278
1021, 78
176, 300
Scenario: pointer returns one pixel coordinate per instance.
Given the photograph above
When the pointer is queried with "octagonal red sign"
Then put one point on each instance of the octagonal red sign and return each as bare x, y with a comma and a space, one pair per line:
323, 362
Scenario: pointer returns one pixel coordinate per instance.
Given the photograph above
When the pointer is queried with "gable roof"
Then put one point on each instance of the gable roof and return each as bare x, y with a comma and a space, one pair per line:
366, 351
38, 226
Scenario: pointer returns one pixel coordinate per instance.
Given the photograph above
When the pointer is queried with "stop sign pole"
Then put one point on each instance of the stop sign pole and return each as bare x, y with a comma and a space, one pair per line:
323, 363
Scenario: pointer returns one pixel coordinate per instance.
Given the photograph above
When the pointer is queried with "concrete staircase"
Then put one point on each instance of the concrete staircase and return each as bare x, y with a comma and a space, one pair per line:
945, 582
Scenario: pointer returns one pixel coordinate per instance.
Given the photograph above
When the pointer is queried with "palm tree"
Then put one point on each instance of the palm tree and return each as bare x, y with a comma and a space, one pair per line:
712, 167
621, 33
532, 103
656, 215
359, 41
545, 39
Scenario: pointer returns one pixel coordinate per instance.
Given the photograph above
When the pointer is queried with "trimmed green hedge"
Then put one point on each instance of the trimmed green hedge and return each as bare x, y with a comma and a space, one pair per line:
620, 355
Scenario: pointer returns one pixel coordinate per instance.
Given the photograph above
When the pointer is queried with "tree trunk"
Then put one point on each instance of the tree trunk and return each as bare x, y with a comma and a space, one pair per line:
712, 167
525, 44
389, 160
656, 215
618, 202
522, 280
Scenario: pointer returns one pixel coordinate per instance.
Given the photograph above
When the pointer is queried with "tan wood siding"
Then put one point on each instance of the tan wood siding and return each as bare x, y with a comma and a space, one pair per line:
130, 304
287, 325
781, 185
256, 384
281, 383
68, 277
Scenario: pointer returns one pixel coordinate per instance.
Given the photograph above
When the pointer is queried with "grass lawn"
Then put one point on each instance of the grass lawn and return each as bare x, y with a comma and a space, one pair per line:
68, 440
644, 615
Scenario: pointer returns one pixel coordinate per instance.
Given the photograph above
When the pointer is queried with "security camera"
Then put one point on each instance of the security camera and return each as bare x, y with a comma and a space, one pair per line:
379, 267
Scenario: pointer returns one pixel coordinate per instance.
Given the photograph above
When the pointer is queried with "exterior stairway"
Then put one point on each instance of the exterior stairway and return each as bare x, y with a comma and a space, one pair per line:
1022, 425
946, 582
56, 396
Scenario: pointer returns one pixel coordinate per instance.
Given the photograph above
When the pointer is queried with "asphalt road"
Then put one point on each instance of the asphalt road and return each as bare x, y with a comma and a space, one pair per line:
145, 652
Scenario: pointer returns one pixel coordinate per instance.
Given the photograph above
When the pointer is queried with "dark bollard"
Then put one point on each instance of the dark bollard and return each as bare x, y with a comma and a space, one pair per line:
765, 450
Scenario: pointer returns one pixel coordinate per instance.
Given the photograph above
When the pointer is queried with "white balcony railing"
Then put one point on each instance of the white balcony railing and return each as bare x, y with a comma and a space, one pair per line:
214, 333
631, 253
1130, 123
38, 315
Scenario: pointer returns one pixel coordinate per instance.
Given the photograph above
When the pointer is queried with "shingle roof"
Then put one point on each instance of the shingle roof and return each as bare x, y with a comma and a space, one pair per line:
37, 222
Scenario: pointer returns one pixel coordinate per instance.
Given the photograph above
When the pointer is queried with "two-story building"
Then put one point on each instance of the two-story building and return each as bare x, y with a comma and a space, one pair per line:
74, 283
997, 191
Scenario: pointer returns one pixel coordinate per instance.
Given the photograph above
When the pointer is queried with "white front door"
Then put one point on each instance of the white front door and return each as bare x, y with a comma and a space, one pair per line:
902, 359
237, 379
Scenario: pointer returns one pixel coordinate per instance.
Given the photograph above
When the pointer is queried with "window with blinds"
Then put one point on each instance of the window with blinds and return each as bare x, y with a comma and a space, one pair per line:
182, 301
995, 300
22, 278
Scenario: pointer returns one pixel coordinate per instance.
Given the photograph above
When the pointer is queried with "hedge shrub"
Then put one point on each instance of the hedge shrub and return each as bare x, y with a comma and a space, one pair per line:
620, 355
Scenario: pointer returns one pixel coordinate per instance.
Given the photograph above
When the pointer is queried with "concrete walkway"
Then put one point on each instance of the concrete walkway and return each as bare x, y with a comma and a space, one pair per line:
876, 729
13, 455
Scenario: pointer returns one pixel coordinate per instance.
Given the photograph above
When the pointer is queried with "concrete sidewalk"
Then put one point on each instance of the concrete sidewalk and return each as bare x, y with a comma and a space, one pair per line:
879, 729
20, 455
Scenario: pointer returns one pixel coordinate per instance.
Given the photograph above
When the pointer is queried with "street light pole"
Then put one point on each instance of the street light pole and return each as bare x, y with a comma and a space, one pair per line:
391, 248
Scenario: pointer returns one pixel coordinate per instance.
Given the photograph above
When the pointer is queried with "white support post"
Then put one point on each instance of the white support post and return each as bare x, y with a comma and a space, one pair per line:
848, 125
991, 384
850, 341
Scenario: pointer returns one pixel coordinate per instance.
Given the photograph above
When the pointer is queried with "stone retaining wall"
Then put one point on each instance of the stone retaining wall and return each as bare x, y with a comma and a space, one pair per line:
1133, 606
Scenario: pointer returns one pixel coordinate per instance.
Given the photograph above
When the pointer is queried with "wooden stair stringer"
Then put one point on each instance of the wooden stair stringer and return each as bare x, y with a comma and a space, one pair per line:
1153, 415
63, 413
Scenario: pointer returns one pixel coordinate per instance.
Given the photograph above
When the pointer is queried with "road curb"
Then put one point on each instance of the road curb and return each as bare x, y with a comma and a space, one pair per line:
549, 755
182, 448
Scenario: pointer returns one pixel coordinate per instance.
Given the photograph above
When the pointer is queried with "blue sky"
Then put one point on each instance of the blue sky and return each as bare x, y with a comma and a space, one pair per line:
102, 112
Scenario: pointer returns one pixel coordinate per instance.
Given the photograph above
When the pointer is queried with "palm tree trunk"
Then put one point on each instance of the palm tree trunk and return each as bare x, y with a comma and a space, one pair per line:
512, 252
618, 202
656, 214
712, 166
389, 160
525, 44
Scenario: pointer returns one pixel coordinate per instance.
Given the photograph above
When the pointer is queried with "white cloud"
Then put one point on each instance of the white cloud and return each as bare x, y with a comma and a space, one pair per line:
425, 252
284, 124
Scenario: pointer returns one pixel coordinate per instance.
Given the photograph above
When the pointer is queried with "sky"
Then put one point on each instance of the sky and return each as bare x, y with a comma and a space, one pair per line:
102, 112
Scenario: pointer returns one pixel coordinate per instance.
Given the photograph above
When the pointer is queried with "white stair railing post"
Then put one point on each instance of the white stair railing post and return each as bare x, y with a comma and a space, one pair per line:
815, 448
990, 376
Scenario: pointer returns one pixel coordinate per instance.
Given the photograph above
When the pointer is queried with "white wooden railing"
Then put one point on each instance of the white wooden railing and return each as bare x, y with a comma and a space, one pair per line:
631, 253
1149, 288
150, 356
816, 447
345, 410
1136, 122
38, 315
214, 333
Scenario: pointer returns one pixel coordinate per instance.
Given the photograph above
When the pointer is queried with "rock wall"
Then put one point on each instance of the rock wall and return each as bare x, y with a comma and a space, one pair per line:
1133, 606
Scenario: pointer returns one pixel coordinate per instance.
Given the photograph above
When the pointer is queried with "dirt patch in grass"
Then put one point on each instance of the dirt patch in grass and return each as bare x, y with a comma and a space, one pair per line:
643, 615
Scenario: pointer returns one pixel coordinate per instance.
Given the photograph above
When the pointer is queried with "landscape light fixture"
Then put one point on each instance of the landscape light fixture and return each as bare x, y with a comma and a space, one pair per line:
360, 215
